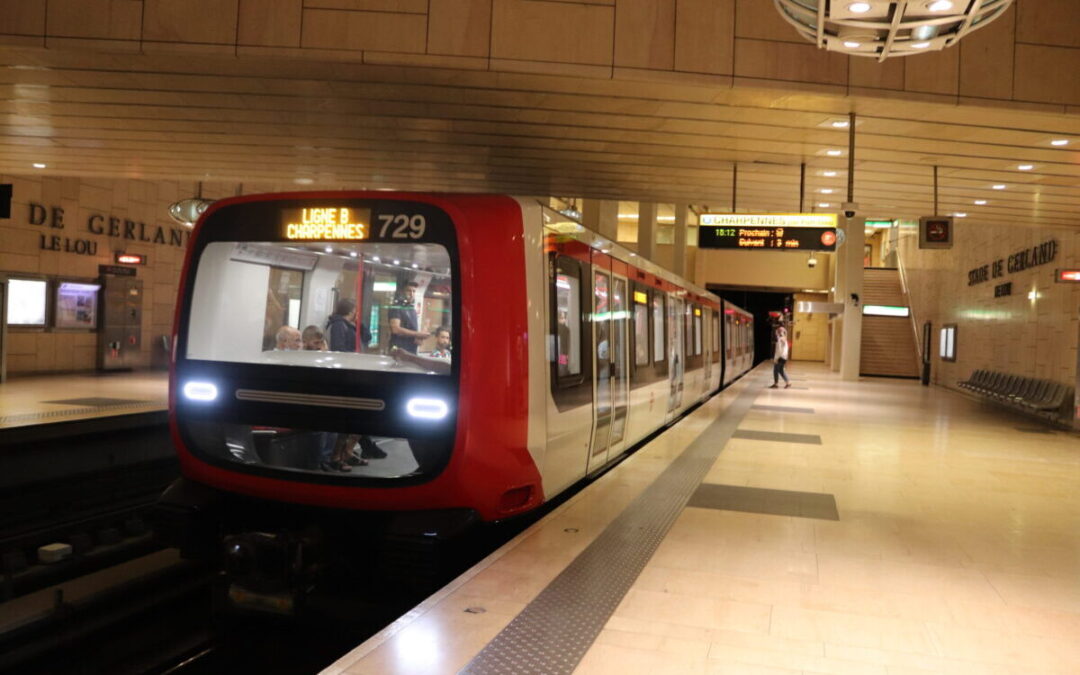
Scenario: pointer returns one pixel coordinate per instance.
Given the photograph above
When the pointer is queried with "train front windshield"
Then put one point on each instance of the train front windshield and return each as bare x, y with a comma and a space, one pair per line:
324, 346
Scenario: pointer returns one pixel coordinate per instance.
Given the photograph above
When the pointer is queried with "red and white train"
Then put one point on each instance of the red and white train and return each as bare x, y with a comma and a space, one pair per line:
566, 350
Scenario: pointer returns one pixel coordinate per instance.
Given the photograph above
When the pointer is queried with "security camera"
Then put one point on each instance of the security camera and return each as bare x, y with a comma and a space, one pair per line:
811, 263
850, 209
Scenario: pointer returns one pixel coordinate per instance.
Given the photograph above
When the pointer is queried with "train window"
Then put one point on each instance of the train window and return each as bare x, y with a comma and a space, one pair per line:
716, 333
568, 313
350, 305
659, 345
641, 328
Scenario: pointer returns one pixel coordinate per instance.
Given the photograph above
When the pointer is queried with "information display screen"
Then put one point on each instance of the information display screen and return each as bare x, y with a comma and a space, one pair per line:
776, 232
326, 224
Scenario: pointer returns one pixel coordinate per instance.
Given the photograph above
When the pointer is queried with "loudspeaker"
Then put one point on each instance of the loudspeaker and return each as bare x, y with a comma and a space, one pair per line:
5, 201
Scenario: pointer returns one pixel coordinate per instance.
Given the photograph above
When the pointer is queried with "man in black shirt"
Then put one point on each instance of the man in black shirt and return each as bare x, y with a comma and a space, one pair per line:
404, 326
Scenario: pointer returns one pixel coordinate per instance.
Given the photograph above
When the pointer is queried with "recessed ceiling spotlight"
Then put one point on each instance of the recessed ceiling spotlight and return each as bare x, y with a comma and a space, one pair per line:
824, 205
376, 258
852, 44
920, 45
834, 153
39, 165
939, 5
1025, 167
415, 266
1059, 142
960, 214
329, 249
859, 7
304, 181
397, 262
980, 202
352, 254
998, 187
826, 191
841, 124
828, 174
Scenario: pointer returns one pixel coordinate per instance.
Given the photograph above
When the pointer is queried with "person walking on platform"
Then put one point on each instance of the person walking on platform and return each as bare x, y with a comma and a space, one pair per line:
780, 357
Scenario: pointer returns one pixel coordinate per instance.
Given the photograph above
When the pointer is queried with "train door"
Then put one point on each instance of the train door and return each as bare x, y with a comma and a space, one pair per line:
620, 367
676, 353
602, 352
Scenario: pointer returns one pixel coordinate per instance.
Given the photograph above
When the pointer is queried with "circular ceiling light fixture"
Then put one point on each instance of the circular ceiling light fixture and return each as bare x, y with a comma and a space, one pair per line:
883, 29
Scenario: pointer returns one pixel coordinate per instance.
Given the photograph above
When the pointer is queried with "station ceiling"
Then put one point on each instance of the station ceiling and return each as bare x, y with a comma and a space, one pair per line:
304, 124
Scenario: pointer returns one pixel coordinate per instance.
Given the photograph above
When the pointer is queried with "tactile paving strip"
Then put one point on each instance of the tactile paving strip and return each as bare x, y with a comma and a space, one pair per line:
72, 412
553, 632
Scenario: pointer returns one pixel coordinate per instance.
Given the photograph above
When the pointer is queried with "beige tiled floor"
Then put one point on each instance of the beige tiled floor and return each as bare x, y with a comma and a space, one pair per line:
957, 550
23, 399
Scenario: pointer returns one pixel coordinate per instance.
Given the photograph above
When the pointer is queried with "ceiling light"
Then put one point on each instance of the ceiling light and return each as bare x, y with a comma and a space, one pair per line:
920, 45
826, 191
834, 153
841, 124
1025, 167
39, 165
960, 214
397, 262
304, 181
828, 174
329, 249
376, 258
1059, 142
980, 202
998, 187
824, 205
863, 27
352, 254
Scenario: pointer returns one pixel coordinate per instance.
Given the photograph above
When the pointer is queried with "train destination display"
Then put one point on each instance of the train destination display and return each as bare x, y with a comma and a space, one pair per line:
326, 224
768, 231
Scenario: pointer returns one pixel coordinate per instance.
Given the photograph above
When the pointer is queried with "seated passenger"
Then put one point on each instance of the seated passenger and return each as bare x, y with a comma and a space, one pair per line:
314, 339
442, 344
287, 339
341, 328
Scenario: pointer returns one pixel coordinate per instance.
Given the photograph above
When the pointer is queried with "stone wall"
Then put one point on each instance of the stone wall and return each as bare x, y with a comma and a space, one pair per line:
1032, 332
69, 246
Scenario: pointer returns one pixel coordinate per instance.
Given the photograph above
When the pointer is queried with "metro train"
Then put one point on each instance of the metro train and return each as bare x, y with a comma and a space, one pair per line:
565, 351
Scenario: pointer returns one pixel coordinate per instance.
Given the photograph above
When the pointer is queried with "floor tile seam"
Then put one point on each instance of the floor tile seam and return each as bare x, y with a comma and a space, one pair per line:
700, 458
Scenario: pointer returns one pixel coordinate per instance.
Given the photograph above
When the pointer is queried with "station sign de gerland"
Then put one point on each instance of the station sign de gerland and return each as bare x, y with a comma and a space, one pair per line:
53, 219
1017, 262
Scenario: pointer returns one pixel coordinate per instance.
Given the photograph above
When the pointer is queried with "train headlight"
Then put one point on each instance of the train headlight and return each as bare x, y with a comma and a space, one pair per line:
200, 391
427, 408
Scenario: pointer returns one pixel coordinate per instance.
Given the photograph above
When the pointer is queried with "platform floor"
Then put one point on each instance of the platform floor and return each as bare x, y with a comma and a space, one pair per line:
954, 547
47, 399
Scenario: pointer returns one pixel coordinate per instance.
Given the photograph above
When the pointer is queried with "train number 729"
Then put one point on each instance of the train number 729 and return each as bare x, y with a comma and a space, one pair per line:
401, 226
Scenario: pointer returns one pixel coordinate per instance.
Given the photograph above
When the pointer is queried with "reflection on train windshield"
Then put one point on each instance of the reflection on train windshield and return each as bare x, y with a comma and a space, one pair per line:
366, 306
303, 450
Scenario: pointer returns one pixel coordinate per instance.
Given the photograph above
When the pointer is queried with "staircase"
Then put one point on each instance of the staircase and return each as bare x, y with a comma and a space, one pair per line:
888, 344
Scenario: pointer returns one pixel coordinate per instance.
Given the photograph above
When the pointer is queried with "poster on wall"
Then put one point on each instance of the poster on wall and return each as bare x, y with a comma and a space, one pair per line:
76, 305
26, 302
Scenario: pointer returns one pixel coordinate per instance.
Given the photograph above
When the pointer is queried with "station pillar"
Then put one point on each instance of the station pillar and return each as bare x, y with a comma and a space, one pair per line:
601, 215
678, 261
646, 230
852, 262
